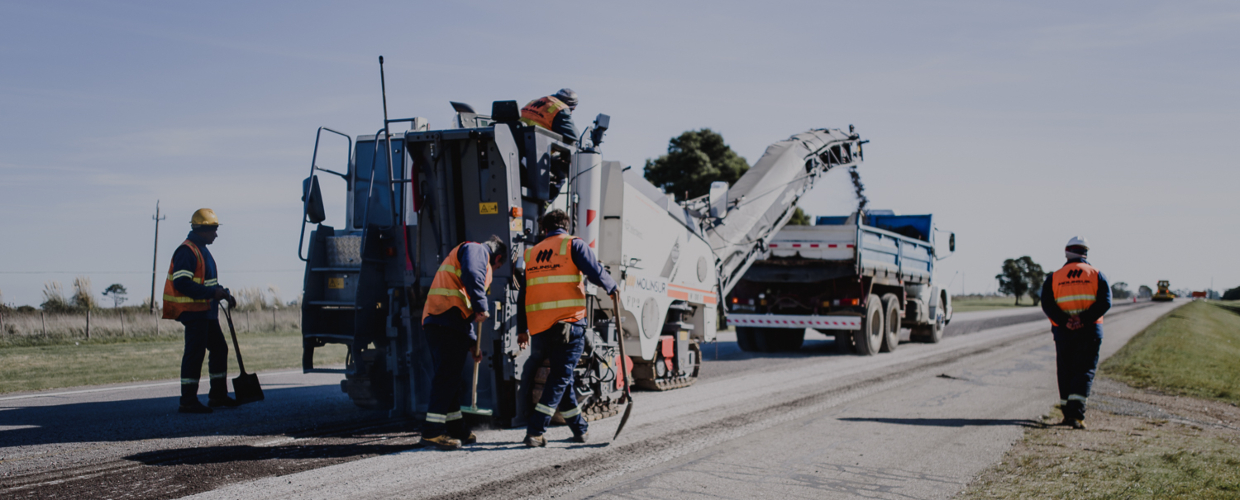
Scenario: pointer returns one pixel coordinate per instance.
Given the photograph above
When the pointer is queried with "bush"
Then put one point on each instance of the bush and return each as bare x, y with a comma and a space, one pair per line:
1233, 294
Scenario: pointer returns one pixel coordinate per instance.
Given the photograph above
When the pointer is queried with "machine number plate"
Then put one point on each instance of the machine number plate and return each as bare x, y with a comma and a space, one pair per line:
335, 283
488, 208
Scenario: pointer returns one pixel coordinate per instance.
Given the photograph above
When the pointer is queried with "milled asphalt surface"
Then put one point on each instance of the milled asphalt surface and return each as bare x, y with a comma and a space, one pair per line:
919, 422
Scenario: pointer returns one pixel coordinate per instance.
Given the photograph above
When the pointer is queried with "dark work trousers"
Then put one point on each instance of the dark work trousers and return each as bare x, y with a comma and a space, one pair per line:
449, 353
201, 337
1076, 359
558, 393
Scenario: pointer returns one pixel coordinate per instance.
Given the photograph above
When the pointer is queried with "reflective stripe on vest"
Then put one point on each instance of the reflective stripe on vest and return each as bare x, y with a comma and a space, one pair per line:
1075, 287
447, 290
554, 288
541, 112
176, 302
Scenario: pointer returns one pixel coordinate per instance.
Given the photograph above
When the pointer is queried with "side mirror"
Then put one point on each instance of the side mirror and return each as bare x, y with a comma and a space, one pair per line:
951, 242
718, 199
313, 200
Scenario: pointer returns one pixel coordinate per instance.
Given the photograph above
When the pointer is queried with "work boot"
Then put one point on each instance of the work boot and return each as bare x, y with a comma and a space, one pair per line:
193, 406
535, 441
470, 439
580, 438
1078, 424
442, 442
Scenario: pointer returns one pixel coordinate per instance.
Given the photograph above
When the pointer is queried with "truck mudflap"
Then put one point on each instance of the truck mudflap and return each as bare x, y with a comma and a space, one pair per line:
792, 321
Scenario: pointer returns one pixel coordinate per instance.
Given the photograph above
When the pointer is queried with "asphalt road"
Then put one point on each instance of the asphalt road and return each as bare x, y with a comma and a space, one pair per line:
917, 423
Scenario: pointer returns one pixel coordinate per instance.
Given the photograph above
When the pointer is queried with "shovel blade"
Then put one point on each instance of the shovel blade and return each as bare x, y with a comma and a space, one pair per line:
628, 409
247, 389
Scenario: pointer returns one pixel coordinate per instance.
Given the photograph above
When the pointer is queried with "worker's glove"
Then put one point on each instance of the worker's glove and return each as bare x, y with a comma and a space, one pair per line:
523, 340
232, 301
1074, 323
477, 353
220, 293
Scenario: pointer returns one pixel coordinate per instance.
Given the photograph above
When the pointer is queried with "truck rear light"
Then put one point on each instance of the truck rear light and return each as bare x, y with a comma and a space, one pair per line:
854, 302
763, 302
735, 300
835, 302
751, 302
826, 303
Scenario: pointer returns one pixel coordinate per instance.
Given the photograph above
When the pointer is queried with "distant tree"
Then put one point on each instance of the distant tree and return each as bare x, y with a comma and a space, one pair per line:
1013, 279
118, 293
1233, 294
54, 299
1145, 292
82, 296
1035, 274
799, 218
1120, 291
695, 159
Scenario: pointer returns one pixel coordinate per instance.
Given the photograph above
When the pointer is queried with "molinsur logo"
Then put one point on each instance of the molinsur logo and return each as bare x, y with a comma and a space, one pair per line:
1075, 273
544, 255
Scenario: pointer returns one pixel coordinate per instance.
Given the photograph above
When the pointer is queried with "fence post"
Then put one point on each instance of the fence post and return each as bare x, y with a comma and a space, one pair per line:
247, 321
122, 323
88, 324
156, 316
273, 320
2, 330
43, 319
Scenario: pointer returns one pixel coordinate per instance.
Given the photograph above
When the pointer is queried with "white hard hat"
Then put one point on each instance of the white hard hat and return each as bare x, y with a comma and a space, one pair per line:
1078, 241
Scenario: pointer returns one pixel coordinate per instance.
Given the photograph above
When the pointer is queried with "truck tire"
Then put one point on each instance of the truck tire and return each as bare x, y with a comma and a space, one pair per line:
746, 339
870, 337
930, 334
891, 320
780, 339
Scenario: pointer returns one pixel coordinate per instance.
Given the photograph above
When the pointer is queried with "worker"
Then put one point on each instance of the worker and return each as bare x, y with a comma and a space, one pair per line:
192, 294
554, 305
1075, 299
553, 113
456, 301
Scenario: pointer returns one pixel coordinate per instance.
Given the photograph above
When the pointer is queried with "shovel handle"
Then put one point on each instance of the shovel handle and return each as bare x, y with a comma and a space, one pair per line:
624, 358
473, 401
231, 330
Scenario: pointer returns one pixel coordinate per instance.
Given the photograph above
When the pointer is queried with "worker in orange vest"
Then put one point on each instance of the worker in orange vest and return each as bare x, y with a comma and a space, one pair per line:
192, 294
553, 298
456, 301
1075, 298
554, 113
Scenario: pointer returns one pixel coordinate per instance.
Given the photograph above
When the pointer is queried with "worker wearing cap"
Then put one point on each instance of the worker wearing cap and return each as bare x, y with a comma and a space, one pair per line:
192, 294
457, 299
553, 299
554, 113
1074, 298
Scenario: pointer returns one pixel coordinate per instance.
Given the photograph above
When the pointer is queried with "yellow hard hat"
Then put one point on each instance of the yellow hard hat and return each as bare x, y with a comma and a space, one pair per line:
204, 217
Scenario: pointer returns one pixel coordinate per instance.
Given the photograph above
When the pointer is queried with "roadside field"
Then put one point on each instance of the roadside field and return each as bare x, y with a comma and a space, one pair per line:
1151, 442
30, 368
1193, 350
978, 303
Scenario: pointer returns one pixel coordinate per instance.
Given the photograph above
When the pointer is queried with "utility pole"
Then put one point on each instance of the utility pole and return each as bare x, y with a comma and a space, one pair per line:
155, 257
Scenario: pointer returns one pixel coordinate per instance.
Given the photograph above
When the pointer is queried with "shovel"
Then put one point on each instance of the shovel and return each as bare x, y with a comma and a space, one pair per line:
473, 402
245, 386
624, 363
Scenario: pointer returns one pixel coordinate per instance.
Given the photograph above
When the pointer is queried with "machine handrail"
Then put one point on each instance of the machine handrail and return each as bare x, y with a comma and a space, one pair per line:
305, 205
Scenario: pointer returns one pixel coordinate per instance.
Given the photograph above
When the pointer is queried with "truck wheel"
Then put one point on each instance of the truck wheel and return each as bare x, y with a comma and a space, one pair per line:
891, 319
870, 337
780, 339
745, 339
930, 334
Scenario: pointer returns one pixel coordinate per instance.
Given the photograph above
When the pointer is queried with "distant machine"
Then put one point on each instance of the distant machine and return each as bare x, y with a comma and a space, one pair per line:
1164, 292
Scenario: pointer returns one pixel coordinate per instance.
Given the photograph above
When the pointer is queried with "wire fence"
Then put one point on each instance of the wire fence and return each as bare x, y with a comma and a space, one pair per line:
104, 324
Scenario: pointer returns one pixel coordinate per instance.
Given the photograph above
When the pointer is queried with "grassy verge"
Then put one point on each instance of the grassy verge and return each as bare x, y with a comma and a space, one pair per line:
976, 303
1193, 351
28, 368
1119, 457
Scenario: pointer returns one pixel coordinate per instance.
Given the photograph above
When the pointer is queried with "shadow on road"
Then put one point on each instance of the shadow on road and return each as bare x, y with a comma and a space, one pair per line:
36, 422
231, 454
949, 422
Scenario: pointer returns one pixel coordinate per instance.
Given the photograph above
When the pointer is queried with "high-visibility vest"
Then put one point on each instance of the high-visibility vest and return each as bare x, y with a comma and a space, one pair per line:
1075, 287
541, 112
176, 302
447, 290
554, 288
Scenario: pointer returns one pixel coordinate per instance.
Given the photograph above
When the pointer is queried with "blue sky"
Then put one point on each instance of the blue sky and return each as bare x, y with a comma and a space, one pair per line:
1018, 124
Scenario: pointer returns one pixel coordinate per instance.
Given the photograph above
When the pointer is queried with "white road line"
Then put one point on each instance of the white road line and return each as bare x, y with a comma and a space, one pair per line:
110, 389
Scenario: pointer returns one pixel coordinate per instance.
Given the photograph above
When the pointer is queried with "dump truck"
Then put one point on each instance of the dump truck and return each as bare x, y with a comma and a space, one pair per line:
860, 278
1164, 293
414, 194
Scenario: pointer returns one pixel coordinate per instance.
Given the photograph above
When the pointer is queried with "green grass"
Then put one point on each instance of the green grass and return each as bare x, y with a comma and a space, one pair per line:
976, 303
1193, 350
95, 362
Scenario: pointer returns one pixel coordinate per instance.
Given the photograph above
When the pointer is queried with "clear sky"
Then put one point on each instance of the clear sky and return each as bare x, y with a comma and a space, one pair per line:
1017, 124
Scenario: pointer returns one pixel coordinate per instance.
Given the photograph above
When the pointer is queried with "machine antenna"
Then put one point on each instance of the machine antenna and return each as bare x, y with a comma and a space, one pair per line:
383, 90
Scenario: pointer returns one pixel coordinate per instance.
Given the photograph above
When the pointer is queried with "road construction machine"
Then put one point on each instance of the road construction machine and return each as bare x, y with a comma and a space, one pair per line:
860, 277
1164, 293
414, 194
